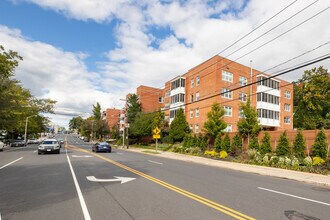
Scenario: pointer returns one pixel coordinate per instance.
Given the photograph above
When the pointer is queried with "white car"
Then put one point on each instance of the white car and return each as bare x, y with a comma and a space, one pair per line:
2, 146
49, 146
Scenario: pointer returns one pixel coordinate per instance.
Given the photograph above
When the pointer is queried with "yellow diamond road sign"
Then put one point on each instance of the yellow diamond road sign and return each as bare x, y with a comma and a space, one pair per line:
156, 131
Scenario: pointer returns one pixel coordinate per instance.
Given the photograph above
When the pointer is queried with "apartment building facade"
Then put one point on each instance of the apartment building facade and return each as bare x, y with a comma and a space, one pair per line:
226, 82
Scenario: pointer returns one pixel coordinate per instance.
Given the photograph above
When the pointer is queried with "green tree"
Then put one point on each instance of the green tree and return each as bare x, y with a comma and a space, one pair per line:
248, 125
312, 100
143, 125
179, 127
236, 146
159, 120
215, 124
97, 111
254, 143
299, 145
283, 146
76, 122
133, 107
320, 145
8, 62
226, 144
218, 143
265, 146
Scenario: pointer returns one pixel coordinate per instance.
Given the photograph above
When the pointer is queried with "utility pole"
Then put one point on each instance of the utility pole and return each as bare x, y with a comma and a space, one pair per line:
26, 125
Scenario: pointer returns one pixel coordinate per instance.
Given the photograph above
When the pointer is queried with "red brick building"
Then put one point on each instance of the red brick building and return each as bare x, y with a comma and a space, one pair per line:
112, 117
225, 82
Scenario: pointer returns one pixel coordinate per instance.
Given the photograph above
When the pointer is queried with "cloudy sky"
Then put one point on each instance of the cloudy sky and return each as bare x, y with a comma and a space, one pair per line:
88, 51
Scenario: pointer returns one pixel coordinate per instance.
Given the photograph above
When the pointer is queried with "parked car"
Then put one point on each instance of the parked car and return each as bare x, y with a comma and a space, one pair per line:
18, 143
101, 147
2, 146
33, 141
49, 146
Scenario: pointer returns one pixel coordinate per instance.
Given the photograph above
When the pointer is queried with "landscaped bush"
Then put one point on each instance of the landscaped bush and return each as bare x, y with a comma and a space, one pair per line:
274, 160
283, 146
223, 154
254, 144
265, 146
252, 153
287, 161
178, 149
217, 143
299, 145
320, 145
211, 153
167, 139
295, 162
225, 145
236, 145
308, 161
317, 161
193, 150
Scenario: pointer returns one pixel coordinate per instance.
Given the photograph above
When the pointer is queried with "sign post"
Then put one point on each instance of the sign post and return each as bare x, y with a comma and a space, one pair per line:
156, 135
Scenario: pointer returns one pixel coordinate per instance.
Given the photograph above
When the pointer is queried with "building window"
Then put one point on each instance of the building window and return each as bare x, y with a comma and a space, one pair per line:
262, 80
173, 113
242, 97
161, 99
197, 112
225, 93
228, 111
229, 128
265, 113
177, 98
196, 128
286, 107
191, 127
178, 83
242, 81
192, 83
287, 120
198, 80
287, 94
191, 98
197, 96
227, 76
168, 93
191, 113
240, 113
167, 105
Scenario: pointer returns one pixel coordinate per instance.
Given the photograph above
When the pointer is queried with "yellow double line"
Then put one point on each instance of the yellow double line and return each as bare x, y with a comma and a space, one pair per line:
217, 206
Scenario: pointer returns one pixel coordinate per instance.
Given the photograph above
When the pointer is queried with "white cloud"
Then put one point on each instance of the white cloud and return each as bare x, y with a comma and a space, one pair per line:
205, 31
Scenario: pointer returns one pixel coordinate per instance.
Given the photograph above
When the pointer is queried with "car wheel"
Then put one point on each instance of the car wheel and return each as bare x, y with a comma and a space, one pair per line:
58, 152
39, 153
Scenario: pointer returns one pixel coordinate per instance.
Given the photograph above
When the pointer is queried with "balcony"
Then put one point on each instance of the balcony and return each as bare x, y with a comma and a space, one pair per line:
266, 89
269, 106
267, 122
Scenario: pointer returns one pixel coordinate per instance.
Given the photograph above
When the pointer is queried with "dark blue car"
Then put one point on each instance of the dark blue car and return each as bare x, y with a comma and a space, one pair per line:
101, 147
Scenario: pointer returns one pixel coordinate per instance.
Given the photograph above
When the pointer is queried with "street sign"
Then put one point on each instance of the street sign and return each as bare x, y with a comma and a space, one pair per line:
156, 131
156, 136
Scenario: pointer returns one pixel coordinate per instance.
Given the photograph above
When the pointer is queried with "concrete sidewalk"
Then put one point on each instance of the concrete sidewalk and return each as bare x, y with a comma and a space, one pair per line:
267, 171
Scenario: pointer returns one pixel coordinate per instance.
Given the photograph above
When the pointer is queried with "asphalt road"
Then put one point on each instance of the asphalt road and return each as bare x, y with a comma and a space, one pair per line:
55, 186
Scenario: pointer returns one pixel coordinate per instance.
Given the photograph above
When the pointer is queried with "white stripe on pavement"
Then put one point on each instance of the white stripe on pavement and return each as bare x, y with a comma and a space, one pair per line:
119, 153
81, 198
11, 163
151, 161
298, 197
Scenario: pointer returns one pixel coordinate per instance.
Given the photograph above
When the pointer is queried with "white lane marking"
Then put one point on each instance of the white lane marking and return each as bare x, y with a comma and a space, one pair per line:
35, 151
11, 163
81, 198
119, 153
118, 179
298, 197
82, 156
151, 161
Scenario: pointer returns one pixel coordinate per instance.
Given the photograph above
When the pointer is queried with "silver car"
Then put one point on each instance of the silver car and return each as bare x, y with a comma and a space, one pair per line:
49, 146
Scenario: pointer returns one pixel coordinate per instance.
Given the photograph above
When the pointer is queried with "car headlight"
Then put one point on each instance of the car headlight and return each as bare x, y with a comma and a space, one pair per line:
56, 146
41, 147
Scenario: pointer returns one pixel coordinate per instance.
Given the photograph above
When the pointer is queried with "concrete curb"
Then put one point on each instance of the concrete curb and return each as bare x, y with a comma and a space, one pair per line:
266, 171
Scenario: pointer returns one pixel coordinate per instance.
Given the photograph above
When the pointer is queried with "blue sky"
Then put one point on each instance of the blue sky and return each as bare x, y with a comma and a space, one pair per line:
101, 50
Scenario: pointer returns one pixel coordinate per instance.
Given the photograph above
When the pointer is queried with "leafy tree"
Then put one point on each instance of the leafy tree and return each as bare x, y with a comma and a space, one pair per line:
248, 125
283, 146
143, 125
8, 62
225, 145
159, 120
299, 145
320, 145
218, 143
133, 107
76, 122
97, 111
254, 143
312, 100
179, 126
215, 124
236, 146
265, 146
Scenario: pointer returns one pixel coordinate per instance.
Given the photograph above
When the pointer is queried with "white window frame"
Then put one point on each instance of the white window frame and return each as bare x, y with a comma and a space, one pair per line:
227, 76
198, 80
192, 83
196, 128
197, 112
191, 113
242, 81
240, 113
161, 99
225, 94
287, 107
228, 109
287, 120
287, 94
229, 128
197, 96
242, 96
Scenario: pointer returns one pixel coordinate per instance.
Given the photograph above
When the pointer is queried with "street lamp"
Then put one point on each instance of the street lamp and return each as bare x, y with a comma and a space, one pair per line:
26, 124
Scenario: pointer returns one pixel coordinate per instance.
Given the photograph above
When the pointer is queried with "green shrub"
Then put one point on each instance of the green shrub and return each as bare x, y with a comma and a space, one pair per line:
265, 160
265, 146
274, 160
217, 143
283, 146
320, 145
252, 153
308, 161
299, 145
223, 154
287, 161
295, 162
167, 139
281, 161
178, 149
211, 153
236, 145
254, 144
317, 161
225, 145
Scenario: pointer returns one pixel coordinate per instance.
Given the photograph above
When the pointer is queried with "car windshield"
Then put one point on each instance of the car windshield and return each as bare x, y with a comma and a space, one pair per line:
49, 142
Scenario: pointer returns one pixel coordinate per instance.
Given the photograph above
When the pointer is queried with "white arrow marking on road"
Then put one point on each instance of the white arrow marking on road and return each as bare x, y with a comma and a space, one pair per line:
298, 197
118, 178
82, 156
